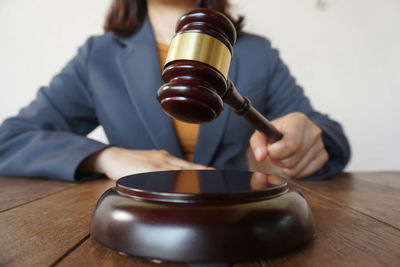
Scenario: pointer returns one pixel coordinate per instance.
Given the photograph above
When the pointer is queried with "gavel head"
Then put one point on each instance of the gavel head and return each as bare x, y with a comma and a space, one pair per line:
196, 69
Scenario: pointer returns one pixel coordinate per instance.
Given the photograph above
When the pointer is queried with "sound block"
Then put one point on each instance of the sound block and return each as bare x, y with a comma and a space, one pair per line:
202, 216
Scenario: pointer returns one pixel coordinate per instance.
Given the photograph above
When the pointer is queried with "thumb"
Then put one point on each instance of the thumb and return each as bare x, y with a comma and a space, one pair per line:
259, 145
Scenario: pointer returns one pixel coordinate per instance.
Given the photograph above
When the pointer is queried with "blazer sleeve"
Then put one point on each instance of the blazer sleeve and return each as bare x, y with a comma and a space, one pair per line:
285, 96
47, 138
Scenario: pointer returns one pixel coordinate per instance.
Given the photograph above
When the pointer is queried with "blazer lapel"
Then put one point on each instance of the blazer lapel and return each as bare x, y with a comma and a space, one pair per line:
211, 133
140, 69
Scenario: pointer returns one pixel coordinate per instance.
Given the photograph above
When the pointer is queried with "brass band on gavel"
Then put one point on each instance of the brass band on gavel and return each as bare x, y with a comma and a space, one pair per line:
200, 47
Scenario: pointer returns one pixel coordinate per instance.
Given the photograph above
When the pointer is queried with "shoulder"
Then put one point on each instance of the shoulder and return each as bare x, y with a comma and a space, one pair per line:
254, 49
101, 43
252, 44
255, 52
99, 50
253, 40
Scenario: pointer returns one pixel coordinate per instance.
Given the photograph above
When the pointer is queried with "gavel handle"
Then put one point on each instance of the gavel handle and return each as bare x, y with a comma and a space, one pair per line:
242, 106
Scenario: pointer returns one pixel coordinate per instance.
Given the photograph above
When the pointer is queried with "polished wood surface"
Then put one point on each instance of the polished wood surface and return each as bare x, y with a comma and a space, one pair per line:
45, 222
232, 216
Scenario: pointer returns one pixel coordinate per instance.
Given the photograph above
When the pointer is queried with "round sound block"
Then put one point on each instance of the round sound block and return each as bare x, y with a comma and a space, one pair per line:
199, 216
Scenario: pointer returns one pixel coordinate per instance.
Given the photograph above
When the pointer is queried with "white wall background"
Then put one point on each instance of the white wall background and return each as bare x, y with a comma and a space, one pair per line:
345, 53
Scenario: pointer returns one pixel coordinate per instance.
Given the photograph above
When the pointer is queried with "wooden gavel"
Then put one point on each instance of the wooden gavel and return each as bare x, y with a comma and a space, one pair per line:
195, 75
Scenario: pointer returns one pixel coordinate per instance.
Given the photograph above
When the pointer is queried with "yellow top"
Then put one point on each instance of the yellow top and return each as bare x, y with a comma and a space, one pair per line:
186, 132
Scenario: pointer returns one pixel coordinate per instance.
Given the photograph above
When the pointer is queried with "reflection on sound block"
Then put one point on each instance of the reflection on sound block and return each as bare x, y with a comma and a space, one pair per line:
200, 216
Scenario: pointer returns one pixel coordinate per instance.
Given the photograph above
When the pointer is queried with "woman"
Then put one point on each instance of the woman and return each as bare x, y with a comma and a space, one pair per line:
113, 81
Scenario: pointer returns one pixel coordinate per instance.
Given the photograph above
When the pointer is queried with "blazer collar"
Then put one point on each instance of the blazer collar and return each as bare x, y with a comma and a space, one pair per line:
140, 69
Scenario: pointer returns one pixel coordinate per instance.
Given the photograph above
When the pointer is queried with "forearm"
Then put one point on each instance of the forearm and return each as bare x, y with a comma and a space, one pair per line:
116, 162
50, 154
94, 163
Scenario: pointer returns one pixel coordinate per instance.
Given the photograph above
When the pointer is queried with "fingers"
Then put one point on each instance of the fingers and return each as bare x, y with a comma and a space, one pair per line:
169, 162
122, 162
259, 145
314, 165
293, 128
314, 159
308, 157
178, 163
307, 147
301, 151
259, 181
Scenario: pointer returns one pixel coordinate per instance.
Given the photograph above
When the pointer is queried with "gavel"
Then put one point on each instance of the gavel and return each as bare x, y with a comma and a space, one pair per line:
195, 74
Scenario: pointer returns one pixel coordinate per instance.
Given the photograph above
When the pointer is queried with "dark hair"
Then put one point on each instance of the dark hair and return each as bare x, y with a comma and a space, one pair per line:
125, 17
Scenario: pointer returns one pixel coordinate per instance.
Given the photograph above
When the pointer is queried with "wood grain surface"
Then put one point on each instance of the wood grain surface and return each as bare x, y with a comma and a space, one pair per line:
345, 237
18, 191
44, 222
376, 195
42, 231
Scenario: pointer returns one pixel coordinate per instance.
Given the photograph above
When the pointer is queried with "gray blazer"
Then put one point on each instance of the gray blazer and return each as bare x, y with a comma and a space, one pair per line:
113, 81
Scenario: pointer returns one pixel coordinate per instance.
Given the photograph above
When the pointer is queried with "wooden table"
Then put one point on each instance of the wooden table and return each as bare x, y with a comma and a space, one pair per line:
44, 222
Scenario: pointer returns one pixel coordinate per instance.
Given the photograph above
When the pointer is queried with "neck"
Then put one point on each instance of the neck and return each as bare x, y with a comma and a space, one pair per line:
164, 14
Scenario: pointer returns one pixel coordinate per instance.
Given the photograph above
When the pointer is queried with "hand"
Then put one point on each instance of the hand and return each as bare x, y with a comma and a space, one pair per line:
117, 162
261, 180
299, 153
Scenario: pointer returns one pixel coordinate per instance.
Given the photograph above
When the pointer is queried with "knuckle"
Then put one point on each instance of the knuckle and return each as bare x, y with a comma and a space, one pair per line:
321, 146
291, 145
155, 165
289, 163
325, 156
291, 172
300, 116
317, 132
252, 140
164, 153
